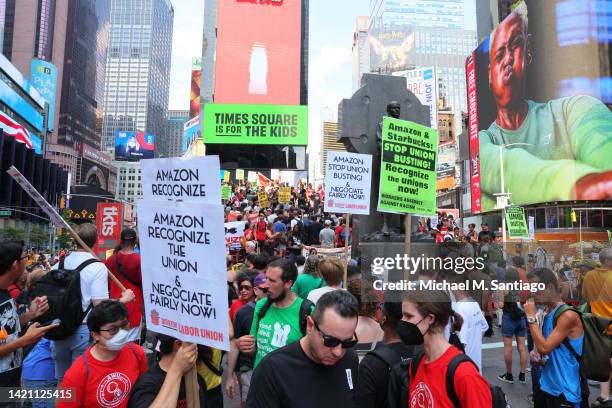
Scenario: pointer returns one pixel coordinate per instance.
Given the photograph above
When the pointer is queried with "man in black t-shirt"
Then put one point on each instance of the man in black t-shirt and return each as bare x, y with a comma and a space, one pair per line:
374, 367
312, 231
320, 370
163, 385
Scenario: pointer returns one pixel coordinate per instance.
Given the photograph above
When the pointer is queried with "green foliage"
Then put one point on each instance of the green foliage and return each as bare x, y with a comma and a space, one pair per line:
14, 233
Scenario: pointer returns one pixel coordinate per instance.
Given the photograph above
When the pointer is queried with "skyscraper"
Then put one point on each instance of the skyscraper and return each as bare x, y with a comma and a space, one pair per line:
138, 69
361, 50
174, 131
209, 45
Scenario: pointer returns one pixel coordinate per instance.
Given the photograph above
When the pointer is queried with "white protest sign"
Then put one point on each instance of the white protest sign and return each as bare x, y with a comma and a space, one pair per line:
182, 179
233, 232
531, 227
183, 271
334, 252
55, 217
252, 177
348, 182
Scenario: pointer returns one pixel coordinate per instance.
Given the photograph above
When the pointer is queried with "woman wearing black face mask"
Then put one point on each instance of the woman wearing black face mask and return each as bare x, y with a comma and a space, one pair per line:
424, 316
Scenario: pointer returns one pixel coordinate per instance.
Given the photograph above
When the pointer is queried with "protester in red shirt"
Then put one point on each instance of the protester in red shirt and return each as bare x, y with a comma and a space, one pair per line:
125, 265
245, 290
104, 375
425, 314
260, 230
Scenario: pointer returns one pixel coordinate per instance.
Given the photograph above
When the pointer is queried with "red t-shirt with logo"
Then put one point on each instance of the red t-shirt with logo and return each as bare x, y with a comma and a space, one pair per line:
108, 383
131, 268
428, 387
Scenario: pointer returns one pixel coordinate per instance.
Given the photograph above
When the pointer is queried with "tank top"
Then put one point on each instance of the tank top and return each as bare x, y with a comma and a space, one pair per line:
560, 375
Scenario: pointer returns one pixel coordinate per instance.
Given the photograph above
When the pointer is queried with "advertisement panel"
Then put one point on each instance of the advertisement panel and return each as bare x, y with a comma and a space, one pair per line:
43, 77
133, 146
255, 124
108, 224
196, 82
19, 105
14, 129
536, 103
191, 132
391, 48
258, 52
423, 84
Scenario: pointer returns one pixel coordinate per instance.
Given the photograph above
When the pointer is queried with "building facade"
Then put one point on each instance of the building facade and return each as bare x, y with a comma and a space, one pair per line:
174, 131
209, 45
361, 50
329, 141
129, 181
138, 69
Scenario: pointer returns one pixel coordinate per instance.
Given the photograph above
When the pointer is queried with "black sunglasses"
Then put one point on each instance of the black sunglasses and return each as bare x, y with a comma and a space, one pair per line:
245, 287
330, 341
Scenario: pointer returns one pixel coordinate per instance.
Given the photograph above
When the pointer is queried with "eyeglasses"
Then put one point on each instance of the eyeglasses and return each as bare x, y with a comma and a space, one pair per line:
245, 287
23, 257
330, 341
115, 329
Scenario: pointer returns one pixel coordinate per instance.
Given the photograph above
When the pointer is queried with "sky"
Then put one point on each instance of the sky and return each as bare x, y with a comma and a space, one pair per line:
330, 56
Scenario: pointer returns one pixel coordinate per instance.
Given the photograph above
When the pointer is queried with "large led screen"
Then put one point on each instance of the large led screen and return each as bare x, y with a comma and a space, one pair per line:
133, 146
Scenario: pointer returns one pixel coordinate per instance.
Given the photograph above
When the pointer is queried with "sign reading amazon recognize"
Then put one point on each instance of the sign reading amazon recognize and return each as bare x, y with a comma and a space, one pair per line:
255, 124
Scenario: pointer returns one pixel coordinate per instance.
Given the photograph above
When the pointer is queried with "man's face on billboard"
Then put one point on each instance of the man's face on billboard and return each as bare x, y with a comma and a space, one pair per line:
508, 61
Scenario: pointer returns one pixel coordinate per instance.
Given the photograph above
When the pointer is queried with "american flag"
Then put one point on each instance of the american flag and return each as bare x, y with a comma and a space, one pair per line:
14, 129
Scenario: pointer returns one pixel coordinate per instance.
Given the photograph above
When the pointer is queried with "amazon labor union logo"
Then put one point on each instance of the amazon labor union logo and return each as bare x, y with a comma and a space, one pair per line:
421, 397
113, 389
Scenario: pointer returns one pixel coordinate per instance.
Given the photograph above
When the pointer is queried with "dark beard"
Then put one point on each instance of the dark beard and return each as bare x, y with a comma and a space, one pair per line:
279, 298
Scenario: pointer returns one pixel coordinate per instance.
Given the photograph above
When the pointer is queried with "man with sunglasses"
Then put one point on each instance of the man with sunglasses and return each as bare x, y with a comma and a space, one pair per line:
104, 375
320, 370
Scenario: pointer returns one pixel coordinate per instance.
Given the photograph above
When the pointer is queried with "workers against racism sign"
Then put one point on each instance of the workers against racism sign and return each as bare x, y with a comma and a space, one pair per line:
183, 265
226, 192
233, 232
255, 124
347, 183
516, 224
182, 179
408, 168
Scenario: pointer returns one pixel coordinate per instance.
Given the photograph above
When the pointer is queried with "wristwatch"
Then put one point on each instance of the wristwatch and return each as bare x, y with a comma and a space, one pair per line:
531, 319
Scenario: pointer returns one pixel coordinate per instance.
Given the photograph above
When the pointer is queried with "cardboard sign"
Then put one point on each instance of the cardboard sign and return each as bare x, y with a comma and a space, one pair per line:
348, 181
239, 174
182, 179
515, 223
233, 232
53, 215
407, 168
183, 271
284, 195
262, 199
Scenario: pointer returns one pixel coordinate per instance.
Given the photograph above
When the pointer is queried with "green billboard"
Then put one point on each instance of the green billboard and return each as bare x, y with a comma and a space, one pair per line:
407, 168
515, 223
255, 124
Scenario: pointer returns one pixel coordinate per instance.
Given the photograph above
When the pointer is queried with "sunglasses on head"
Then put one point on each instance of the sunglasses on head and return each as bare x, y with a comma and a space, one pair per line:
330, 341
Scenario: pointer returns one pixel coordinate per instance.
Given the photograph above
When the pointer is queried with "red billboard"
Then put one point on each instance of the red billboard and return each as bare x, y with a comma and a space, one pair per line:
108, 224
258, 52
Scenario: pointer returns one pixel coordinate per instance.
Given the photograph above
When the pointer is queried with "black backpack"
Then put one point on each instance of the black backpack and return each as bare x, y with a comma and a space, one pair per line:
305, 310
396, 366
62, 287
497, 394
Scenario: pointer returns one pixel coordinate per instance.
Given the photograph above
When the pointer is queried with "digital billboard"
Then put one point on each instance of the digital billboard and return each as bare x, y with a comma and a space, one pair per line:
196, 82
133, 146
43, 77
191, 132
258, 51
391, 48
536, 103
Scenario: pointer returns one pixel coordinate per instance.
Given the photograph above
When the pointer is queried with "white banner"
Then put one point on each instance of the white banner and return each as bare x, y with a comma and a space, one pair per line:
422, 83
335, 252
233, 232
183, 271
252, 177
348, 180
531, 227
55, 217
192, 179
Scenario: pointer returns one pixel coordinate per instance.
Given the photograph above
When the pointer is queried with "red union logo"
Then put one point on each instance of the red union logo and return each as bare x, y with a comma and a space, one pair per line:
109, 220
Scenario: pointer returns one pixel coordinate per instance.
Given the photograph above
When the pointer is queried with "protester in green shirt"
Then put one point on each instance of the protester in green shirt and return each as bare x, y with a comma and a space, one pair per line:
280, 325
567, 142
310, 279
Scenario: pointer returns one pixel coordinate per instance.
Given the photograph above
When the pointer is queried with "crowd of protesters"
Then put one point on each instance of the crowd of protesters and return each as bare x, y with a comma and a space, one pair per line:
305, 333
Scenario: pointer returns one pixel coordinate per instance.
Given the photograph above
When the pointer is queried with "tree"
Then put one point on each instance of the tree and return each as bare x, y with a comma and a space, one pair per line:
39, 236
14, 233
64, 238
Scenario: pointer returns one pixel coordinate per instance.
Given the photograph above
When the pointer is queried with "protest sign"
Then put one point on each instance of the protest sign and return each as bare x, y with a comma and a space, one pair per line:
252, 177
239, 174
183, 271
260, 124
226, 193
532, 227
262, 199
407, 168
193, 179
233, 232
515, 223
226, 176
347, 183
339, 253
284, 195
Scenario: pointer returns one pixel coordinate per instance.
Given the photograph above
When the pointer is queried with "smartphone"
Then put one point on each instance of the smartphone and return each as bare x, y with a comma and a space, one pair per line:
50, 322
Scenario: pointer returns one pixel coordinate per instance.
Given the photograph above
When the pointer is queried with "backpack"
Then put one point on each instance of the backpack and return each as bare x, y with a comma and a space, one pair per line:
396, 366
595, 360
305, 310
498, 396
62, 287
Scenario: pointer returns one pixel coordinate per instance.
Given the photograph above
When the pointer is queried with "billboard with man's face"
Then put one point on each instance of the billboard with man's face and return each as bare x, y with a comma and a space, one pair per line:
539, 126
258, 51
